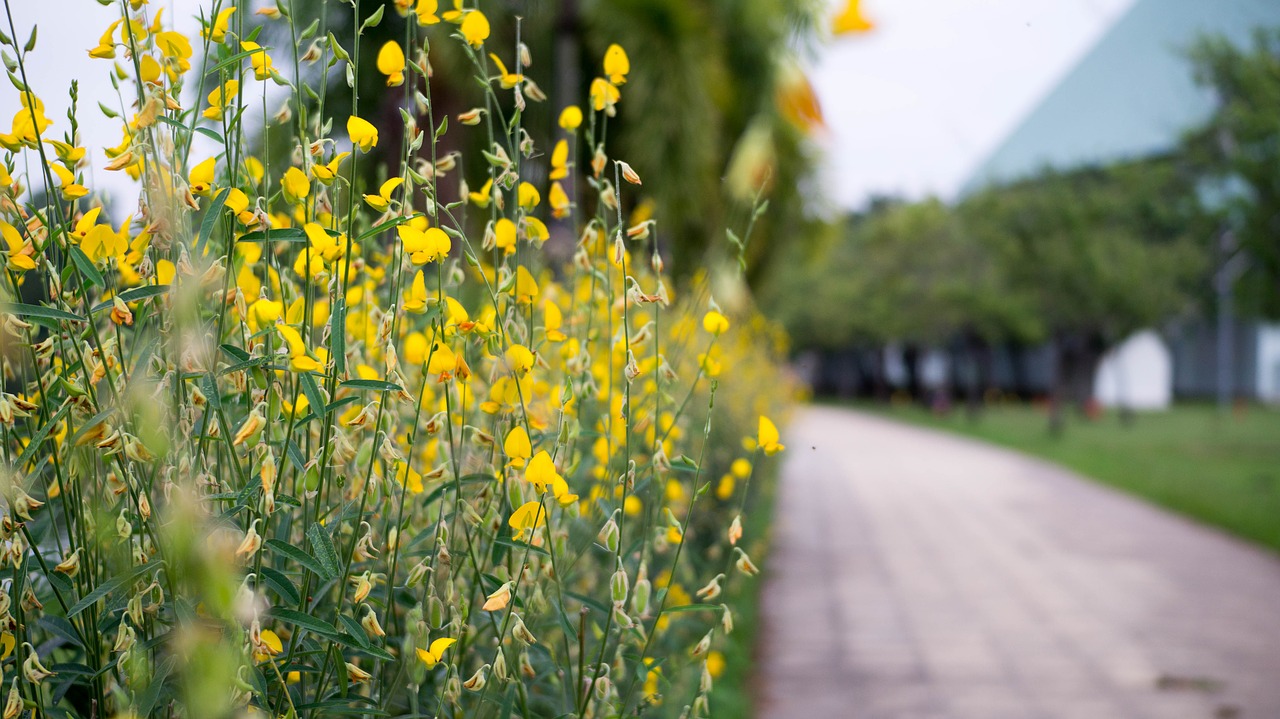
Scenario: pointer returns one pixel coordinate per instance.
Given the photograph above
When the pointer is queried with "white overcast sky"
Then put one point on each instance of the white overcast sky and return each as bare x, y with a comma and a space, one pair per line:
911, 108
914, 106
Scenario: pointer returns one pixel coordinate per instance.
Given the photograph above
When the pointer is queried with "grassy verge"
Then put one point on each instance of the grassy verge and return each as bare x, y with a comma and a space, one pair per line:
1223, 470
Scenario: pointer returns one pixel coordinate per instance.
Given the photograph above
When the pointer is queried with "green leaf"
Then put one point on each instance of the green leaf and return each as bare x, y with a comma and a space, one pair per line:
211, 218
293, 553
230, 61
355, 630
311, 390
239, 354
133, 295
85, 265
373, 384
338, 334
285, 234
110, 586
24, 310
282, 585
305, 621
322, 548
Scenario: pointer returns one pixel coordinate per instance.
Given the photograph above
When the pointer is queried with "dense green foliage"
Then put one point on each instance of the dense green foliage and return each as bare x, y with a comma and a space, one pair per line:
1239, 153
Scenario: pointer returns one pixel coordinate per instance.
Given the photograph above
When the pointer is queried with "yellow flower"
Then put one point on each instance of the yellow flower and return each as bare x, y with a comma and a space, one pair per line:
415, 299
201, 176
218, 32
106, 48
504, 235
559, 201
616, 64
219, 97
69, 154
260, 60
560, 160
71, 190
475, 27
362, 133
435, 653
767, 437
20, 252
423, 244
391, 63
299, 360
535, 230
851, 20
571, 118
426, 12
269, 644
527, 517
481, 198
296, 185
517, 447
527, 196
519, 359
604, 94
508, 80
326, 173
526, 288
715, 323
382, 200
553, 320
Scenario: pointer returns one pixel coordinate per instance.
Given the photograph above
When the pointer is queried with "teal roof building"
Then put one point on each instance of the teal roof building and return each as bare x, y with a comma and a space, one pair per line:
1133, 94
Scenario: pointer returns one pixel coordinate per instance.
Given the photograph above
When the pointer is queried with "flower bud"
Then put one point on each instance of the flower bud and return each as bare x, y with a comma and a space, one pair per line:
610, 534
477, 680
521, 632
619, 587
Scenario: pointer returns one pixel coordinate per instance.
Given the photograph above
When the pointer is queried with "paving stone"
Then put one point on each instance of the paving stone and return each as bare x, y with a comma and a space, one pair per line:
919, 575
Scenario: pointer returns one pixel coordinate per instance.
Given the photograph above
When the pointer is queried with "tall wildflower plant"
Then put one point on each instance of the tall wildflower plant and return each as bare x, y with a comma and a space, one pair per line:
282, 445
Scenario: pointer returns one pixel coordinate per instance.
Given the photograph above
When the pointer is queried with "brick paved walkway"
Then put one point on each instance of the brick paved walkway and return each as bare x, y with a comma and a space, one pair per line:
920, 575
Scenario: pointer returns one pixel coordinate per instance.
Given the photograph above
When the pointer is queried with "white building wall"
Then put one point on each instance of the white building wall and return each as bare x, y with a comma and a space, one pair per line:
1269, 363
1138, 373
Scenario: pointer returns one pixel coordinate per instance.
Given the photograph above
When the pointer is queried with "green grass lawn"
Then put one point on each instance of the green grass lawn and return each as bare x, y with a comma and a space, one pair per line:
1220, 469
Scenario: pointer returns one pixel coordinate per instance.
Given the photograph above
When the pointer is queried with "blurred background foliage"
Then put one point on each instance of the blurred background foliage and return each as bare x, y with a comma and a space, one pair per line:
714, 108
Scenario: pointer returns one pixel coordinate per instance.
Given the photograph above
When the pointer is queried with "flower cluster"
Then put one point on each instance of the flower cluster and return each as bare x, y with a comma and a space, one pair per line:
290, 440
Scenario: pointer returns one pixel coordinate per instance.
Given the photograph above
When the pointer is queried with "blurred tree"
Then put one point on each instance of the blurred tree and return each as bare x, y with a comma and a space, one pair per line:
713, 108
1100, 252
1238, 149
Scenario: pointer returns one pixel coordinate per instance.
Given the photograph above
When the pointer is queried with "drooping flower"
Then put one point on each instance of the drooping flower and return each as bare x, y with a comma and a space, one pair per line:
434, 654
851, 20
767, 437
527, 196
715, 323
508, 80
560, 160
559, 201
475, 28
517, 447
325, 173
616, 64
391, 63
70, 190
423, 244
571, 118
426, 12
219, 97
527, 517
259, 59
20, 251
382, 200
604, 94
296, 185
362, 133
415, 298
218, 31
299, 360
